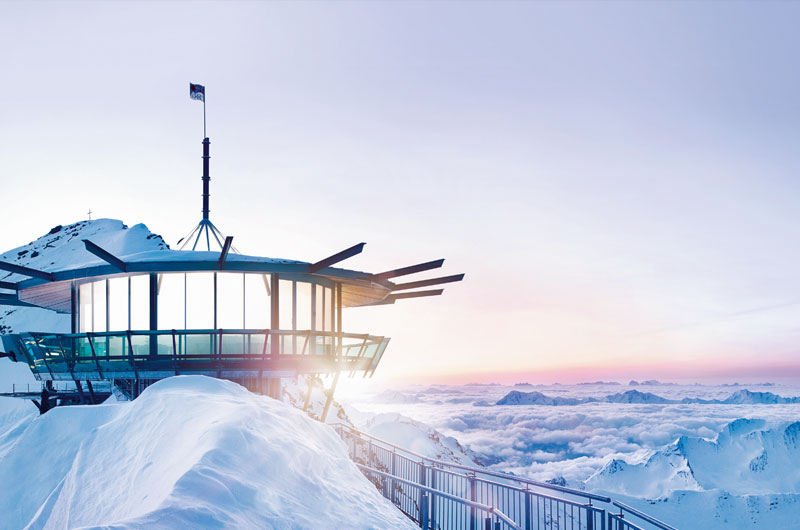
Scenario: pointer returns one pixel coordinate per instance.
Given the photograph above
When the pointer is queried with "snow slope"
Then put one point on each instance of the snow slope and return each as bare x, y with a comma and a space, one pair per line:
746, 458
417, 437
749, 473
190, 452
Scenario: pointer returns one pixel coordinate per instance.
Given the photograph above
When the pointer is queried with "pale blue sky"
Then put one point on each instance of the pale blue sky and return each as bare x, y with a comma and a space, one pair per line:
618, 181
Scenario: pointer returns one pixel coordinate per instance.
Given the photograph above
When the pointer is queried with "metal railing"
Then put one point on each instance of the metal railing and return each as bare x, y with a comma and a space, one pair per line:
63, 386
203, 349
617, 521
424, 499
527, 504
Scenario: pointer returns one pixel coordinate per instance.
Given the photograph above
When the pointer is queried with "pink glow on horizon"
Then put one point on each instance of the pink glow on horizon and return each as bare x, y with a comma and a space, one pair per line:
706, 372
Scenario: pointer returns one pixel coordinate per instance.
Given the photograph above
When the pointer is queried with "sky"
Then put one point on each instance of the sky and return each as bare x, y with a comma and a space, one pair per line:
618, 181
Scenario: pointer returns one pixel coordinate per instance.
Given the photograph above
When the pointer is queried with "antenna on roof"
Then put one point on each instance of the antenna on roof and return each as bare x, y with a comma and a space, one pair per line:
212, 233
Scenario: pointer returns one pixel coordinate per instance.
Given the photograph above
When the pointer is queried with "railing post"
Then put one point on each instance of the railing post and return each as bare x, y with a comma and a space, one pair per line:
423, 511
589, 518
473, 513
497, 525
394, 455
487, 523
421, 491
528, 507
433, 496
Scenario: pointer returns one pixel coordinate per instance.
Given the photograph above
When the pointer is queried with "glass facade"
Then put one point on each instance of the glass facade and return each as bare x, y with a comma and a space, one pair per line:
200, 302
204, 301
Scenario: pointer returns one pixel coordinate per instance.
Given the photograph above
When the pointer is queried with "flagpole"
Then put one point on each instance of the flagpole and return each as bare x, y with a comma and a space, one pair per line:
204, 115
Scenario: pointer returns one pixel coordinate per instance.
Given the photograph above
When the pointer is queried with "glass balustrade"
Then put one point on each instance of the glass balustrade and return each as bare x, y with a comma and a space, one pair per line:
192, 350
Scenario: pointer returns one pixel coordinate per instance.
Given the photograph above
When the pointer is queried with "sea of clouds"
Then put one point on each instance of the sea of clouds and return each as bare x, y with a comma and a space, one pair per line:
544, 442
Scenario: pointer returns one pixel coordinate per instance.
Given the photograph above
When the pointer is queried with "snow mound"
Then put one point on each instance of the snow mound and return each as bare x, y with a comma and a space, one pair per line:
746, 458
190, 452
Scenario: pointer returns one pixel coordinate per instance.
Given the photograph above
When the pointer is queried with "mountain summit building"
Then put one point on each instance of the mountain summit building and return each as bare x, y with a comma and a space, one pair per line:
139, 318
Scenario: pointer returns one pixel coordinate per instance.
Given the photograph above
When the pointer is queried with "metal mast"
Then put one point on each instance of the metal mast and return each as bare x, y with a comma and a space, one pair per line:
205, 231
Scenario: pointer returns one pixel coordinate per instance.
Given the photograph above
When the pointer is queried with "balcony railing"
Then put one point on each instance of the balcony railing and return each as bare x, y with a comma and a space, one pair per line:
95, 355
441, 495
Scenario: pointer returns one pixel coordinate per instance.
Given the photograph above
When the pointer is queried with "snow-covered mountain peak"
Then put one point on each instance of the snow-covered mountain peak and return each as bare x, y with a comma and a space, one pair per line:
635, 396
746, 458
739, 429
62, 247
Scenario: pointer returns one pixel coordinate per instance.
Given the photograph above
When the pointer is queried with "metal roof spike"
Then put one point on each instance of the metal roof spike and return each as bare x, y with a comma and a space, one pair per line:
428, 283
223, 255
336, 258
413, 269
105, 255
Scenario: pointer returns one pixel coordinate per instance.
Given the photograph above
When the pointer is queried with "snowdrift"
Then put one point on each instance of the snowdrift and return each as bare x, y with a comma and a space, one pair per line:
190, 452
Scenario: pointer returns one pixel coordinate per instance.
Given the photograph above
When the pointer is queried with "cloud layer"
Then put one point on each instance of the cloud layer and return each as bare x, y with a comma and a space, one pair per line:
543, 442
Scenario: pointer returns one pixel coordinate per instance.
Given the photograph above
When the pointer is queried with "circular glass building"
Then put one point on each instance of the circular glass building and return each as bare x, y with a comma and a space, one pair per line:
142, 317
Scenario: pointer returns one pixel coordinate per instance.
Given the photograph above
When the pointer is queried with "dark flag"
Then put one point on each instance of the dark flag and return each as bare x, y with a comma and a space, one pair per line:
197, 92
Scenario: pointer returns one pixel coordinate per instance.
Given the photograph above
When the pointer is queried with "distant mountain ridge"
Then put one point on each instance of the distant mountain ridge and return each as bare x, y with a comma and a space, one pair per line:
740, 397
746, 458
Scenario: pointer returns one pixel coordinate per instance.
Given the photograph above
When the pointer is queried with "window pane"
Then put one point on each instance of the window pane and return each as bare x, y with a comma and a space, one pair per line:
200, 300
118, 304
257, 301
328, 309
319, 312
230, 300
171, 292
140, 302
334, 305
303, 305
100, 306
85, 315
285, 299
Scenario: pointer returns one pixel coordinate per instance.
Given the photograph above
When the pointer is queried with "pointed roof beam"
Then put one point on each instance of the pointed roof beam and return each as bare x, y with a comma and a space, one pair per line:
428, 283
26, 271
8, 285
416, 294
106, 256
226, 247
12, 299
408, 270
336, 258
392, 298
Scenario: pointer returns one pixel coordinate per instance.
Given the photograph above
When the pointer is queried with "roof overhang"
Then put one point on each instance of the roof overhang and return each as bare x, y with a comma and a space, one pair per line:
52, 289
